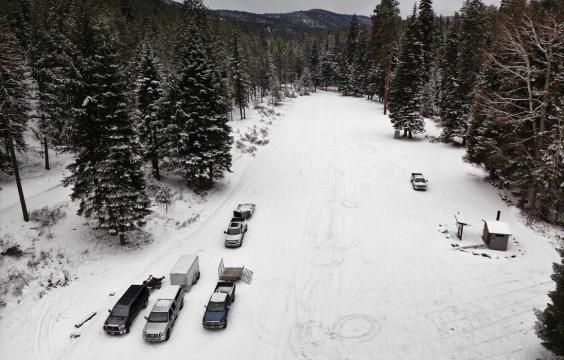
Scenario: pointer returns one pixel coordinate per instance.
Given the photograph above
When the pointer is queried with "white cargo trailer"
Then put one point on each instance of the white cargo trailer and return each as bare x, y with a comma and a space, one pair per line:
186, 272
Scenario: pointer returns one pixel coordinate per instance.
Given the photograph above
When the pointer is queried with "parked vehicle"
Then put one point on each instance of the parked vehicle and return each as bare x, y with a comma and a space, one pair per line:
235, 232
244, 211
186, 272
418, 181
126, 310
163, 315
217, 311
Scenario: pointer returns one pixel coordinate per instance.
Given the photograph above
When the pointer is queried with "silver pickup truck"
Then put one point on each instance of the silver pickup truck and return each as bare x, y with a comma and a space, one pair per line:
163, 315
418, 181
235, 232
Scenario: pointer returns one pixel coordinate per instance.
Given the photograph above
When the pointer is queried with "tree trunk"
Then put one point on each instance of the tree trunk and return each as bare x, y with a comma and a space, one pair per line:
410, 134
17, 173
155, 158
46, 146
211, 177
122, 239
404, 132
241, 111
387, 79
45, 143
156, 170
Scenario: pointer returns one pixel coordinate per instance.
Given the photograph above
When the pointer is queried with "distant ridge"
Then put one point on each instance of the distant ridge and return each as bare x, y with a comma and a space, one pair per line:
293, 22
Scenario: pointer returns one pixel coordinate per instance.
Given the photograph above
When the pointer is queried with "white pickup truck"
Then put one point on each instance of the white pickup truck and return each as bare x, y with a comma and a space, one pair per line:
235, 232
418, 181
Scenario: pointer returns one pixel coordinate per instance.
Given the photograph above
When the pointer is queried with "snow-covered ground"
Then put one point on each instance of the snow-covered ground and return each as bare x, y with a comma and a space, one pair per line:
349, 261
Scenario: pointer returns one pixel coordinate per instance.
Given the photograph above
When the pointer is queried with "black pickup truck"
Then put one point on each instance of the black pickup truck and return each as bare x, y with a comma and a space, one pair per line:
126, 310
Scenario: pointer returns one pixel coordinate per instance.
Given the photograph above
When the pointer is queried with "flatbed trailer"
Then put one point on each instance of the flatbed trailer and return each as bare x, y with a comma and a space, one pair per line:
234, 274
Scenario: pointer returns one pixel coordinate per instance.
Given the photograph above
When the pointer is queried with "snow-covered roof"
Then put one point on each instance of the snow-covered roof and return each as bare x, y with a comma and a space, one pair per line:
184, 264
169, 292
218, 297
244, 207
162, 305
498, 227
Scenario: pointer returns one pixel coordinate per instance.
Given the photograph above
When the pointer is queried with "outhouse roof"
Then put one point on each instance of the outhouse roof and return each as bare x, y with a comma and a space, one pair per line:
498, 227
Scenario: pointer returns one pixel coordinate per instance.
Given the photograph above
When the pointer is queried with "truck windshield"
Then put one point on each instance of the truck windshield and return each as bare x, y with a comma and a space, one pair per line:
120, 311
158, 317
233, 231
421, 180
215, 306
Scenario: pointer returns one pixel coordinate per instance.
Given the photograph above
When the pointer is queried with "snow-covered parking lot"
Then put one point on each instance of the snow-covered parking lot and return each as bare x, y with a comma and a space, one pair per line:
348, 260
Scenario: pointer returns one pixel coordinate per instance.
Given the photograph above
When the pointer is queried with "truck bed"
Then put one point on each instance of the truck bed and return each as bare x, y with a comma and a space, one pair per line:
231, 273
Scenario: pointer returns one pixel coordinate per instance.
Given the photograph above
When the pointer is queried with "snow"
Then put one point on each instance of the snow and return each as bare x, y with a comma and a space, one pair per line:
337, 219
498, 227
218, 297
184, 264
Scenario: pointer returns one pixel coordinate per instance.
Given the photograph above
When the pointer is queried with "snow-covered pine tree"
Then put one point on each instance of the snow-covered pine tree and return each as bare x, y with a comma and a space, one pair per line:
374, 80
239, 79
329, 64
149, 99
405, 97
202, 152
266, 67
13, 105
427, 31
315, 65
305, 84
352, 39
472, 40
384, 37
106, 175
550, 324
51, 59
451, 103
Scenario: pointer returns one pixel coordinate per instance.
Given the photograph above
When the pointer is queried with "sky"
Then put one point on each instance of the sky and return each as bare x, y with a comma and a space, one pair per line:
361, 7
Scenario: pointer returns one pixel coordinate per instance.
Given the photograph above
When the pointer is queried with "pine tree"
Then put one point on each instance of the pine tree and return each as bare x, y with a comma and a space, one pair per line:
13, 106
550, 324
305, 84
106, 175
386, 27
149, 96
374, 80
427, 31
405, 98
239, 79
201, 152
329, 64
472, 39
451, 103
266, 68
13, 118
353, 40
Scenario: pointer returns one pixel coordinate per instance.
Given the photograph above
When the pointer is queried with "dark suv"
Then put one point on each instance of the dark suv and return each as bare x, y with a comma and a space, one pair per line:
126, 309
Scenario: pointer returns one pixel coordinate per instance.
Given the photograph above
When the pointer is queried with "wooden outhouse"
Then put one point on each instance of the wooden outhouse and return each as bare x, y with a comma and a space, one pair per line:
496, 234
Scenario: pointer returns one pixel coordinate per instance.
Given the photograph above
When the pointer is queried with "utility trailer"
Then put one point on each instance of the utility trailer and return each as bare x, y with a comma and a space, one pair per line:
234, 274
244, 211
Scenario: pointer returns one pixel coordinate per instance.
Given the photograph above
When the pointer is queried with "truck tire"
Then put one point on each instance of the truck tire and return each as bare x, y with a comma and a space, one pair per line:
225, 327
167, 334
146, 303
181, 304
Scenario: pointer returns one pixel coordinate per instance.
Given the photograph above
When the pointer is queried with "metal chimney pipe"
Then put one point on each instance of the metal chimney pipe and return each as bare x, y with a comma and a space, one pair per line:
498, 215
